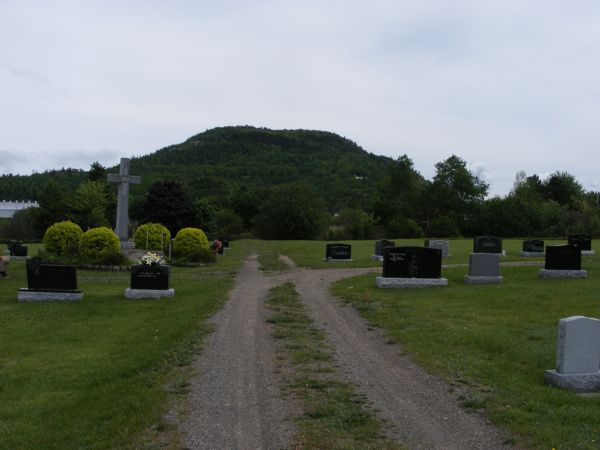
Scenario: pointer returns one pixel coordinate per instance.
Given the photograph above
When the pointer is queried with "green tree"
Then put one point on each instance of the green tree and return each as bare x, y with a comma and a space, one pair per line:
97, 172
167, 203
455, 192
291, 212
562, 187
204, 215
400, 192
89, 205
229, 223
54, 206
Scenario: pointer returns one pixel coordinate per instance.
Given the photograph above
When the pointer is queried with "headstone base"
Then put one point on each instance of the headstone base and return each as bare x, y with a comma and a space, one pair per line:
531, 254
149, 293
376, 257
588, 252
25, 295
547, 273
388, 282
337, 260
578, 382
483, 279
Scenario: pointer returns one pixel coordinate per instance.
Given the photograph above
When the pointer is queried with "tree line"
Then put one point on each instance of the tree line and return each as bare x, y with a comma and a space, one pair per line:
403, 205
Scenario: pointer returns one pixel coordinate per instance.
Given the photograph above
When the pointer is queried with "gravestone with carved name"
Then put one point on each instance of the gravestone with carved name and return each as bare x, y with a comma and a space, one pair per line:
49, 282
405, 267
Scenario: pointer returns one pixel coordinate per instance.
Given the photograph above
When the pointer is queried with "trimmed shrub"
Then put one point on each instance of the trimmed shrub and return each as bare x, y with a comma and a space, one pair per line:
98, 244
201, 255
63, 238
189, 240
150, 236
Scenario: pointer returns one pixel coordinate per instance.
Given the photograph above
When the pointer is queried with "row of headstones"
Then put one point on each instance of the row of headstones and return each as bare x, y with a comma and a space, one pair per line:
50, 282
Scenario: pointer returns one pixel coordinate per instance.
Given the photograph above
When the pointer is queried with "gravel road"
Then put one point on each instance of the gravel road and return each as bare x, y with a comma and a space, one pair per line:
235, 402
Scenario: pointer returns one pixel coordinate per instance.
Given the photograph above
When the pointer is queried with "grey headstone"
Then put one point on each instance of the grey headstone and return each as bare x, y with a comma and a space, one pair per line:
441, 244
578, 346
123, 179
484, 265
388, 282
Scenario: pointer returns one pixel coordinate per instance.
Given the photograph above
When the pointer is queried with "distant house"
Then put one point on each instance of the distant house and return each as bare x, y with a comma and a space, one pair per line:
9, 208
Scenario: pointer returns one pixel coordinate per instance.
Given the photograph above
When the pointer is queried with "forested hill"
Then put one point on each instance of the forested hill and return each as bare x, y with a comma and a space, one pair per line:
217, 162
220, 161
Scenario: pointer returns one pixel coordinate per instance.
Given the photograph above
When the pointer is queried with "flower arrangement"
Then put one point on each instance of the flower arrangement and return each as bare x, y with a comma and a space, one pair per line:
152, 259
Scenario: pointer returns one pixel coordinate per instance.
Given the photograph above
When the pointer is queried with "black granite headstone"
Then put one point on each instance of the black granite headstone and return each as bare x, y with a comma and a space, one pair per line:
338, 251
533, 246
50, 277
16, 248
153, 276
412, 262
583, 241
563, 257
487, 244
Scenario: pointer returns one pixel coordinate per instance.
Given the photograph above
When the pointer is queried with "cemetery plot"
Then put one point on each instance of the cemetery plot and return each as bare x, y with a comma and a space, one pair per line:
583, 241
487, 244
411, 267
484, 268
577, 355
338, 252
532, 247
562, 261
48, 282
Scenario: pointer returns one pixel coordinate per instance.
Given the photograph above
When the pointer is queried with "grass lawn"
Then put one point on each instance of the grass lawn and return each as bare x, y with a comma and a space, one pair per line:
312, 253
497, 340
92, 374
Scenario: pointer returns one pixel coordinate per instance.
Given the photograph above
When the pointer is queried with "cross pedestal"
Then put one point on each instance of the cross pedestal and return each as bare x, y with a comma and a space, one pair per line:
123, 179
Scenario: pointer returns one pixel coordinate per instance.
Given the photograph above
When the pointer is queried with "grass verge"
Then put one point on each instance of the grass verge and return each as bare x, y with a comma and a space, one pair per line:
334, 416
497, 340
95, 374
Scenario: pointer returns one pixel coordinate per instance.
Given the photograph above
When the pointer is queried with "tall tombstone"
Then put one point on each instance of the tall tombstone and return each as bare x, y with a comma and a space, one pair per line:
577, 355
123, 179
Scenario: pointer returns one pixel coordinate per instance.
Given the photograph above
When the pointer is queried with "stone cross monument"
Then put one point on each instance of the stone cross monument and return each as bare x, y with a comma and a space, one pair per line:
123, 179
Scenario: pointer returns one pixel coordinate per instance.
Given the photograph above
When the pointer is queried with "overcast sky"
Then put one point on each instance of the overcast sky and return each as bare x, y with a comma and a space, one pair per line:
506, 85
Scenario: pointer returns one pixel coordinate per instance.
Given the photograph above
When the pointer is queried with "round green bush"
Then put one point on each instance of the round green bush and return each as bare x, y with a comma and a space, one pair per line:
189, 240
150, 236
63, 238
98, 243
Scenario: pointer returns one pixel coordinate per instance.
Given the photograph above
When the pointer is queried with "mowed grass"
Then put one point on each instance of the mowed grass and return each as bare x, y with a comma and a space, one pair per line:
92, 374
312, 253
496, 340
332, 415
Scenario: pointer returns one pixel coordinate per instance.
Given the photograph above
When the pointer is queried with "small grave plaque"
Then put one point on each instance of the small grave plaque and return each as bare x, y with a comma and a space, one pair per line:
487, 244
338, 252
563, 261
150, 276
533, 246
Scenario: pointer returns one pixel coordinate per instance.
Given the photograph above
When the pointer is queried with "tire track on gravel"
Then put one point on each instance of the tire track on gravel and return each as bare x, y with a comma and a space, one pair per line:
417, 407
234, 402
